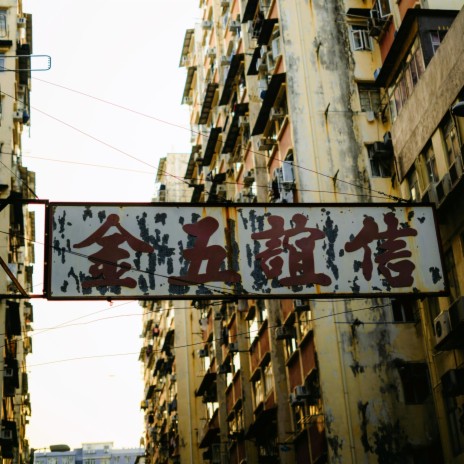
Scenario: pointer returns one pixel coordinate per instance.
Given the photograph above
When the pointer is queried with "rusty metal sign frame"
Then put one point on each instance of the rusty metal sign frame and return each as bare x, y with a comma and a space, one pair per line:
99, 218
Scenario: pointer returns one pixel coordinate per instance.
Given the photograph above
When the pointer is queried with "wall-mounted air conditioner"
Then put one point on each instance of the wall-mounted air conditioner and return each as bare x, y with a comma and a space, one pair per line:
203, 353
284, 332
265, 143
276, 114
301, 392
442, 326
233, 347
206, 24
235, 26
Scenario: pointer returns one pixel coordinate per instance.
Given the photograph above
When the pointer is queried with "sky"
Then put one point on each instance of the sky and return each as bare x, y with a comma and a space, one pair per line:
101, 117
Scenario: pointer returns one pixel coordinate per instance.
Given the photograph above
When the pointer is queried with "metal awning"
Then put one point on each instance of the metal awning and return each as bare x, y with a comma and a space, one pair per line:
207, 102
186, 45
211, 146
188, 81
240, 109
268, 102
250, 10
191, 163
252, 71
266, 31
235, 65
206, 383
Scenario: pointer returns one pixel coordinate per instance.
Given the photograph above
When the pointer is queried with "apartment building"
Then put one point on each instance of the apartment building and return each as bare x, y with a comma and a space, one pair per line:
89, 453
169, 376
323, 102
17, 229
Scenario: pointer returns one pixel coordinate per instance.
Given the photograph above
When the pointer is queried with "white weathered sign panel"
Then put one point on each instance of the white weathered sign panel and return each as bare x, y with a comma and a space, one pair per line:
246, 251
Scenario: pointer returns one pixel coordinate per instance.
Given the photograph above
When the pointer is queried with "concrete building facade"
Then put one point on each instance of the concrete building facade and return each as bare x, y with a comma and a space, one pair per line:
342, 102
17, 230
89, 453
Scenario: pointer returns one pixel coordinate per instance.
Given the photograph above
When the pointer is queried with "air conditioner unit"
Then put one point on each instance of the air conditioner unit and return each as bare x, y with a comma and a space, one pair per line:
276, 114
287, 179
249, 177
442, 188
218, 316
6, 434
453, 382
233, 347
22, 22
283, 332
387, 139
243, 121
301, 392
211, 52
235, 26
188, 100
442, 326
270, 61
221, 190
275, 47
265, 143
263, 50
224, 369
18, 116
455, 171
205, 24
8, 372
294, 400
301, 305
261, 65
225, 61
203, 353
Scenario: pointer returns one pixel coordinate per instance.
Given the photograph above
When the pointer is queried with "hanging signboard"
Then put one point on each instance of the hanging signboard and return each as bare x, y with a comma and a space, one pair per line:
168, 251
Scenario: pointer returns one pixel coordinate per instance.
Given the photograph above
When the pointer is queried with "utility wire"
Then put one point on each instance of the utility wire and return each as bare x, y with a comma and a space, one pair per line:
359, 186
203, 342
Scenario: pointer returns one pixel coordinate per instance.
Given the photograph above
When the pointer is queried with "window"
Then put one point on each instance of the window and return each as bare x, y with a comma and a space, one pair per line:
413, 184
403, 310
453, 281
258, 391
415, 382
268, 379
2, 62
52, 461
450, 136
407, 78
67, 460
360, 39
3, 24
430, 165
380, 166
369, 98
436, 38
383, 7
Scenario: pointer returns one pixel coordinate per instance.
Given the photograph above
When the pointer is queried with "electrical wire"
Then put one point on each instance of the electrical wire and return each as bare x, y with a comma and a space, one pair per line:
359, 186
203, 342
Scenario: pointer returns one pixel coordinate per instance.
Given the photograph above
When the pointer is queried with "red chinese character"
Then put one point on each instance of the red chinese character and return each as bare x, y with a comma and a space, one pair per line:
301, 265
106, 271
214, 256
392, 250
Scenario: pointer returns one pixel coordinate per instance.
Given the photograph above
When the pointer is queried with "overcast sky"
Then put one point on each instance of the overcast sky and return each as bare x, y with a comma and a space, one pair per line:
84, 375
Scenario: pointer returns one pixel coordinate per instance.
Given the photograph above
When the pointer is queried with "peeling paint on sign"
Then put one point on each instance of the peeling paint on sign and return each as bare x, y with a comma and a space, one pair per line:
173, 251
